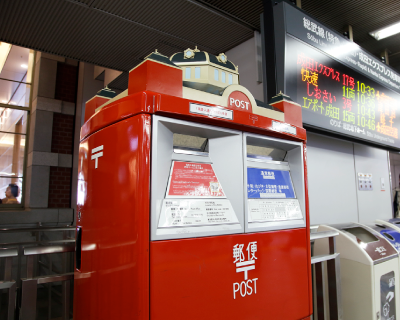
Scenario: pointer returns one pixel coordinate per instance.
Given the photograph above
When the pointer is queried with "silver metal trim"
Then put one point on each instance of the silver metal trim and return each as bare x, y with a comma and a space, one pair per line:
48, 249
5, 253
47, 229
55, 278
194, 153
324, 257
266, 161
324, 234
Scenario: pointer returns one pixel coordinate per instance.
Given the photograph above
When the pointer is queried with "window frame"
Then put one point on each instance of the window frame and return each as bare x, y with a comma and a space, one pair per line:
28, 110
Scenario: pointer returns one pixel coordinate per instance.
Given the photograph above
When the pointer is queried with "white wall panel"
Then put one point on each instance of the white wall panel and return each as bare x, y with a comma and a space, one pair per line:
331, 180
375, 204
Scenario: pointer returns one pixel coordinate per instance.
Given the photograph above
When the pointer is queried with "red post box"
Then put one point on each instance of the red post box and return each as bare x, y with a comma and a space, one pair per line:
192, 200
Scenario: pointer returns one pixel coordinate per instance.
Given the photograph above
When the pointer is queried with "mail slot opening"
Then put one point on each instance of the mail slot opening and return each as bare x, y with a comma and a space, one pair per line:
362, 234
188, 144
387, 235
265, 153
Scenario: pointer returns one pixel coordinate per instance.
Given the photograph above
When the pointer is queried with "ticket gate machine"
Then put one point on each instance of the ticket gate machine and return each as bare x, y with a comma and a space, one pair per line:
392, 223
369, 268
189, 209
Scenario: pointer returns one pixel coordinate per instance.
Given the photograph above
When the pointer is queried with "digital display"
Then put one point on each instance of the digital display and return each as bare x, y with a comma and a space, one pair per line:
337, 98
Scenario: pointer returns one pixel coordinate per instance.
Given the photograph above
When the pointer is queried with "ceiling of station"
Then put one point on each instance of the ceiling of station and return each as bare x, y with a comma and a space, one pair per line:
118, 34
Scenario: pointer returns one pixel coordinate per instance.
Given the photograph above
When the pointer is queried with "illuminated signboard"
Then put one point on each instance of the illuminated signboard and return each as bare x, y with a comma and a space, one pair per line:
340, 87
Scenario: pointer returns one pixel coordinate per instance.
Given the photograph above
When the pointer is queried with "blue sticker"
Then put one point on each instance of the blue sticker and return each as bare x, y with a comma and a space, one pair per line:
392, 236
267, 183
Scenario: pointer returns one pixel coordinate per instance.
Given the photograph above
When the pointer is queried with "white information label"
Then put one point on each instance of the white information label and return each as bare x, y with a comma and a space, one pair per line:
283, 127
186, 213
211, 111
274, 210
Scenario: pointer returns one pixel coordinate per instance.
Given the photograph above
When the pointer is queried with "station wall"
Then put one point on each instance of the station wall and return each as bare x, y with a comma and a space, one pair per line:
333, 165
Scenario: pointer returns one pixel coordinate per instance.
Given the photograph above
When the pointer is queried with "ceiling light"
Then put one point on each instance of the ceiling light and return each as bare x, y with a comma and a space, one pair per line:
24, 66
4, 51
386, 32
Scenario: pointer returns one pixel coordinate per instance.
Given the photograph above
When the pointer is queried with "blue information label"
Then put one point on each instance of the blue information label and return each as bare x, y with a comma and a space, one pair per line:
392, 236
267, 183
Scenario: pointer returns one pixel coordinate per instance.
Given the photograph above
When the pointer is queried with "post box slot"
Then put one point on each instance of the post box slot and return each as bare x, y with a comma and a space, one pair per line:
190, 143
274, 184
265, 153
197, 180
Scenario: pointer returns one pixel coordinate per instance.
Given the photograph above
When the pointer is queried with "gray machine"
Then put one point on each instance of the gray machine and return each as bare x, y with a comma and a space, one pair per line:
369, 267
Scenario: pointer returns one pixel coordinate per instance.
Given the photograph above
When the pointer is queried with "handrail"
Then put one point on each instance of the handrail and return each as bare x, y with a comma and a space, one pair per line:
332, 272
47, 229
324, 234
7, 253
10, 244
48, 249
323, 257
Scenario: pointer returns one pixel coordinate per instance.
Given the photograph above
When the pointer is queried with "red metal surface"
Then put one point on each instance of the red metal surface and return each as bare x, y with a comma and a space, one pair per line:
238, 99
92, 105
113, 282
157, 77
194, 278
292, 112
120, 277
176, 107
310, 293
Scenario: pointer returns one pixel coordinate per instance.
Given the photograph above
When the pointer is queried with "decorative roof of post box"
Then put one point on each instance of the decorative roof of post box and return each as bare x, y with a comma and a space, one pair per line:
203, 78
101, 97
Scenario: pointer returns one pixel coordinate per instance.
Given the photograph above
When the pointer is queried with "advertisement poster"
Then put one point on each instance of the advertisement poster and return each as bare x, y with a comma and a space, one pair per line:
267, 183
193, 180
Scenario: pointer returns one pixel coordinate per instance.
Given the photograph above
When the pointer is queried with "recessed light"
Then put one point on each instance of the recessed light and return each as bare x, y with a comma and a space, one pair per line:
24, 66
386, 31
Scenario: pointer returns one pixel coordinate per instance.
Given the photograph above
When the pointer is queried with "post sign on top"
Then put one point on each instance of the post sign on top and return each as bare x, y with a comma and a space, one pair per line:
341, 87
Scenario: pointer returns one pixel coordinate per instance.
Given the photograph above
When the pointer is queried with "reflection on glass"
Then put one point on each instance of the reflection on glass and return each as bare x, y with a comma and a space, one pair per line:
17, 64
11, 154
230, 79
13, 120
14, 93
10, 191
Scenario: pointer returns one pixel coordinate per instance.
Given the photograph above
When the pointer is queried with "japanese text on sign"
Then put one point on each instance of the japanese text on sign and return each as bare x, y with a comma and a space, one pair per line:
245, 262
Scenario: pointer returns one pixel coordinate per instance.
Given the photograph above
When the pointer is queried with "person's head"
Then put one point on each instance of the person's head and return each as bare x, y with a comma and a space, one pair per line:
12, 191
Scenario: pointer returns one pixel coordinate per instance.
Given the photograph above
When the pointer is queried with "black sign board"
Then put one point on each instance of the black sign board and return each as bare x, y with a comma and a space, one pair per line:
340, 87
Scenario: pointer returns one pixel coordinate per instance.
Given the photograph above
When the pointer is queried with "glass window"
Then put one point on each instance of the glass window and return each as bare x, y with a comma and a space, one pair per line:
10, 191
187, 73
223, 76
216, 74
197, 72
230, 79
15, 88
